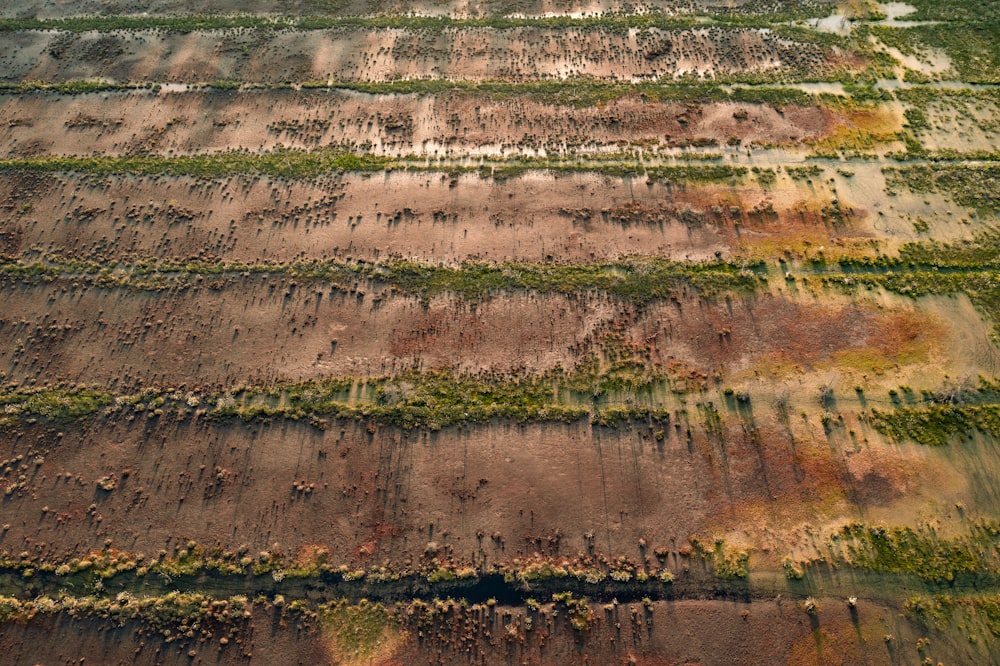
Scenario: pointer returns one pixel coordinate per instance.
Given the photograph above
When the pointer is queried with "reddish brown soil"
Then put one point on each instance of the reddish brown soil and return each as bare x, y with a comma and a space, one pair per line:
667, 634
61, 640
382, 496
257, 330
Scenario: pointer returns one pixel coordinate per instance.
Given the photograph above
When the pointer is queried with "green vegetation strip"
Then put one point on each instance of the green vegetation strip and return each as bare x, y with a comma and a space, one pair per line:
936, 425
567, 92
972, 185
582, 92
637, 279
921, 552
271, 568
73, 87
610, 21
291, 164
576, 92
609, 396
171, 615
303, 165
941, 611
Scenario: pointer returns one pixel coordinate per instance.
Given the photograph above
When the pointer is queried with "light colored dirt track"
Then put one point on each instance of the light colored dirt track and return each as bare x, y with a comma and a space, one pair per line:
519, 54
429, 216
197, 122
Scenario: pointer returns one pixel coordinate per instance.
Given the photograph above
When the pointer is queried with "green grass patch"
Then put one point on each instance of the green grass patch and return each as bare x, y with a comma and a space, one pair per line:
358, 631
941, 611
291, 164
55, 404
638, 279
936, 425
305, 165
610, 392
972, 47
72, 87
921, 552
972, 185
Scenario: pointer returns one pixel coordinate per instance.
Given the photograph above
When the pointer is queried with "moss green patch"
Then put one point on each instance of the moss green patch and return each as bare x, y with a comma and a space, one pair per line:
431, 400
57, 404
72, 87
639, 279
942, 610
936, 425
921, 552
291, 164
973, 185
358, 631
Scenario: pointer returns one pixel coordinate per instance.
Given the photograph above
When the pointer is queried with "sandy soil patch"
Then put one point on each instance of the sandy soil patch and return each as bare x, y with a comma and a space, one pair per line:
429, 216
445, 125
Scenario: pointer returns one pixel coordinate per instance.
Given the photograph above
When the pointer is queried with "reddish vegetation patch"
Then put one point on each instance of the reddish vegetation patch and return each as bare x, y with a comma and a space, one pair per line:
737, 334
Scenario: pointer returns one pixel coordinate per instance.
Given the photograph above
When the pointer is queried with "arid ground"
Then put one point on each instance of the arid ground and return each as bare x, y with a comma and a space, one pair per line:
499, 332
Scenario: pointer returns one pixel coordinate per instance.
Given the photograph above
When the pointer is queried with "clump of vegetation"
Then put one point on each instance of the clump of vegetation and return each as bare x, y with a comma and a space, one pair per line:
580, 613
358, 631
943, 610
792, 571
56, 404
728, 562
920, 552
973, 185
936, 425
639, 279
